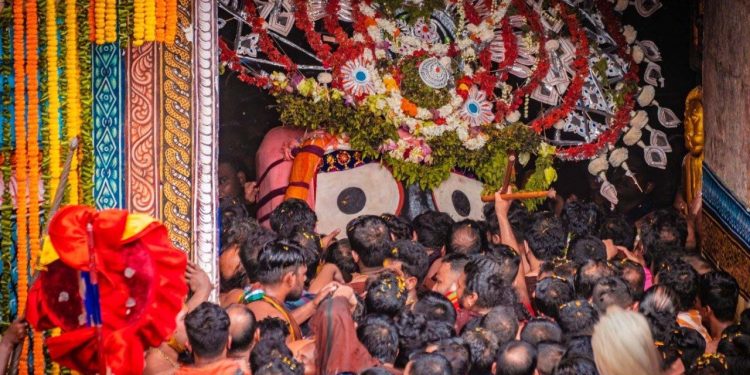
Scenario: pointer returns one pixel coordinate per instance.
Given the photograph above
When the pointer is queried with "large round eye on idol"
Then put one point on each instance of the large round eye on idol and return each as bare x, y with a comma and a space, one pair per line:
343, 195
459, 196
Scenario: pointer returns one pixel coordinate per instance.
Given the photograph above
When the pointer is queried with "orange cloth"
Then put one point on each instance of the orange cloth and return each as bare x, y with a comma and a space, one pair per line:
306, 165
692, 319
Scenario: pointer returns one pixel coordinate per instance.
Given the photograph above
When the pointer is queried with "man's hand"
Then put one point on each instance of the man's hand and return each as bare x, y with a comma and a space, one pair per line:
251, 192
197, 279
632, 255
325, 291
502, 206
328, 238
16, 332
348, 293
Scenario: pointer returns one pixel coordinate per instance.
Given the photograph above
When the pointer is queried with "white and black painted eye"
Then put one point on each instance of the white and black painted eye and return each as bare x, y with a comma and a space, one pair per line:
341, 196
460, 197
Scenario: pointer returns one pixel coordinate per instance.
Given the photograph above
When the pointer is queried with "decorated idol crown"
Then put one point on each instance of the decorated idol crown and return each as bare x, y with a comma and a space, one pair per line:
430, 86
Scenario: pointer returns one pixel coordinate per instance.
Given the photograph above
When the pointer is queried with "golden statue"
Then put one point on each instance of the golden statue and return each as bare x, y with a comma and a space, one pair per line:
694, 141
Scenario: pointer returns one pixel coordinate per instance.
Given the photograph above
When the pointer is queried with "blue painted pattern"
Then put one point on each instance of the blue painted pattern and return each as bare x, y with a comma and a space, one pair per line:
726, 208
108, 77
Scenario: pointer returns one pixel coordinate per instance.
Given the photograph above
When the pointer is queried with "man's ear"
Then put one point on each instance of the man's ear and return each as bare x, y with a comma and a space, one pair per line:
411, 283
288, 279
188, 347
496, 239
470, 299
242, 177
442, 251
229, 342
355, 256
494, 367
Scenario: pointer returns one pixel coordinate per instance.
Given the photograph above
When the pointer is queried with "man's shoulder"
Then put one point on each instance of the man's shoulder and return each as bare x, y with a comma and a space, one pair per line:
262, 310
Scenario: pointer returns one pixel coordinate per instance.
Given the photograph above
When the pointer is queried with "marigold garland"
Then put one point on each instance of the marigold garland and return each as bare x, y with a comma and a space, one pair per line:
171, 22
53, 95
110, 21
150, 23
73, 99
21, 164
100, 10
161, 19
139, 22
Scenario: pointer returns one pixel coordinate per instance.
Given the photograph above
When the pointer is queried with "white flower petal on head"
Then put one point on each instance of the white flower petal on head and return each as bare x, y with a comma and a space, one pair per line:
630, 34
632, 136
639, 120
646, 96
513, 117
598, 165
638, 54
325, 78
618, 156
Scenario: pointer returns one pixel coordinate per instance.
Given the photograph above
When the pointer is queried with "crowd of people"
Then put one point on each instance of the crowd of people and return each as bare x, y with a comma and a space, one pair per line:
578, 291
575, 289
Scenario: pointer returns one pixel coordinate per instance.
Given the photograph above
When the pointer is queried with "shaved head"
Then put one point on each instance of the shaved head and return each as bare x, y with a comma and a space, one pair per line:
241, 328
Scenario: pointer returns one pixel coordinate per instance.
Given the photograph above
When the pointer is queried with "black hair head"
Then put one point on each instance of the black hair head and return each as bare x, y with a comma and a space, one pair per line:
457, 261
662, 255
376, 371
719, 291
634, 275
233, 210
709, 364
518, 216
253, 242
386, 294
415, 331
578, 318
581, 218
242, 328
456, 351
665, 226
483, 347
611, 290
272, 343
430, 364
659, 307
516, 358
435, 306
380, 336
683, 280
619, 230
400, 228
689, 342
413, 257
310, 242
576, 365
541, 329
277, 258
735, 345
482, 278
503, 322
285, 365
207, 329
339, 253
370, 237
579, 346
549, 355
466, 237
546, 237
506, 258
433, 229
588, 274
292, 213
586, 248
550, 294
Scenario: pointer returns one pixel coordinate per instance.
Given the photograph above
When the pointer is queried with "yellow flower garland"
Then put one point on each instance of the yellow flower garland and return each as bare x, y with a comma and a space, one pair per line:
21, 164
150, 35
99, 20
54, 98
139, 22
72, 76
110, 24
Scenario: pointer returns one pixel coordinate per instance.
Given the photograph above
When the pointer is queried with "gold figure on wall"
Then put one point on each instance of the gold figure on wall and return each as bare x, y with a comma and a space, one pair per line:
694, 141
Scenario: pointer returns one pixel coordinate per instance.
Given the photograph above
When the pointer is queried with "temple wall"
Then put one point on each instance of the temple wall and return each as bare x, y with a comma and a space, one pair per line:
726, 170
726, 93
